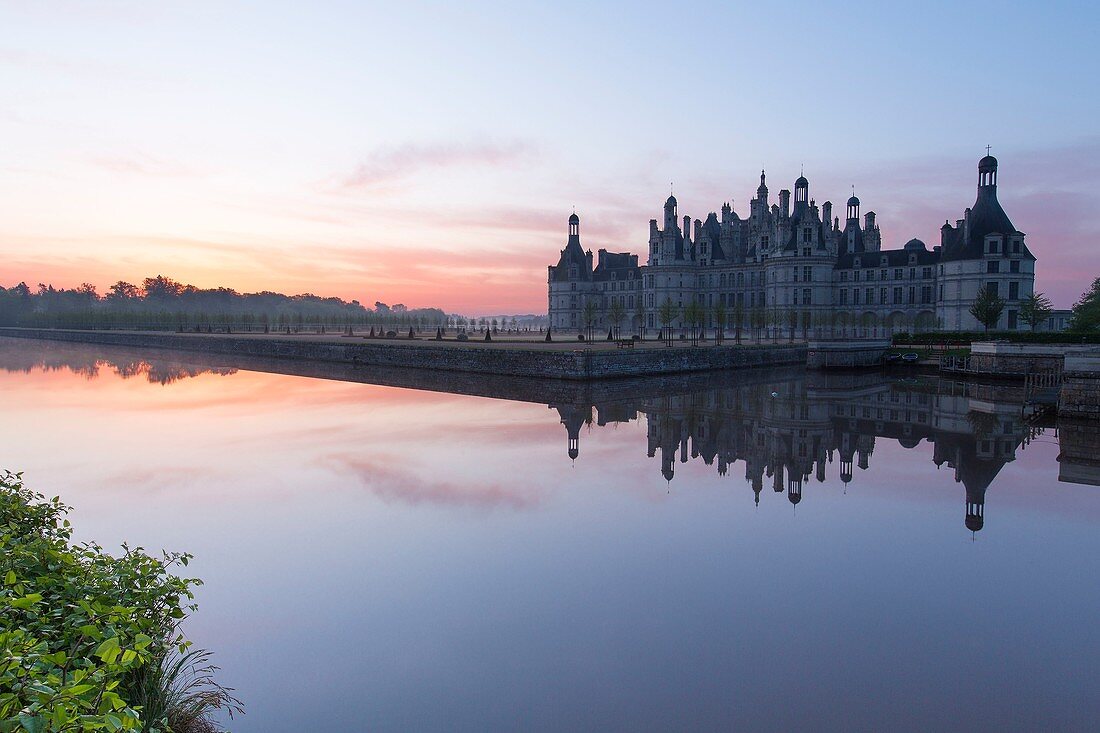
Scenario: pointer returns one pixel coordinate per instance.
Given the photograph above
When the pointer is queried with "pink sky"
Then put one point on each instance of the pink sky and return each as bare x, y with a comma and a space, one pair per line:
295, 157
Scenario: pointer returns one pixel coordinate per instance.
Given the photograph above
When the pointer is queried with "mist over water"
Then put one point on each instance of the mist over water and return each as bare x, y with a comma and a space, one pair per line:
762, 550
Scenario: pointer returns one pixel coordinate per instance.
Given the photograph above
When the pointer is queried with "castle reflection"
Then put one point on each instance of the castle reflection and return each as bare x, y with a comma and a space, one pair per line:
788, 427
791, 432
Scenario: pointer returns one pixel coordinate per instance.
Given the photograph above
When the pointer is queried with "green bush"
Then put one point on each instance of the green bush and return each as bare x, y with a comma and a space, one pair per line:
1016, 337
83, 631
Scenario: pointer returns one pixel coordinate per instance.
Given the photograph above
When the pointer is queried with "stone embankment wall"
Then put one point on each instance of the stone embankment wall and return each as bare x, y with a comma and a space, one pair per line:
541, 363
1080, 393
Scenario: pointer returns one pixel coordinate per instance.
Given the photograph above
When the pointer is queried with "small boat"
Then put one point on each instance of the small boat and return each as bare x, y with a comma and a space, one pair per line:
910, 357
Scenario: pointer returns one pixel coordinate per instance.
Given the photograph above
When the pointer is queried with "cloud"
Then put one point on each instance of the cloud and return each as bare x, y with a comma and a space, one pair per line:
143, 165
392, 485
390, 164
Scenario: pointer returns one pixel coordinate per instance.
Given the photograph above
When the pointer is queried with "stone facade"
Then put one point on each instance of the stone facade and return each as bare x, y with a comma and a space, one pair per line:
795, 268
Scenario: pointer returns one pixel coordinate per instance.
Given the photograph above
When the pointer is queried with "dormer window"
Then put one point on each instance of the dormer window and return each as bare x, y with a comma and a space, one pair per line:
572, 272
857, 262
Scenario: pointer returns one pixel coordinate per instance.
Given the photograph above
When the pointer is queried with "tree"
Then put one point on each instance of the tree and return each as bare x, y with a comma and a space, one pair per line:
616, 313
987, 307
1086, 311
718, 312
791, 317
588, 313
738, 318
693, 314
639, 313
667, 313
1035, 309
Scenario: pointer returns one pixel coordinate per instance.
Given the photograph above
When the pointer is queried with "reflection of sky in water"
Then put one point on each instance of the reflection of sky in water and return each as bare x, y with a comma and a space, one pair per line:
383, 558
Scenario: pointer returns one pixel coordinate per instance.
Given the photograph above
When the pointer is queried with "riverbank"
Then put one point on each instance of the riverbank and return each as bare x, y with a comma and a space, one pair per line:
518, 358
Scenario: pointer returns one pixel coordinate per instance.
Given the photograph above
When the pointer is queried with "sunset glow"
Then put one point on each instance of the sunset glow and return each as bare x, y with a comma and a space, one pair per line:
319, 149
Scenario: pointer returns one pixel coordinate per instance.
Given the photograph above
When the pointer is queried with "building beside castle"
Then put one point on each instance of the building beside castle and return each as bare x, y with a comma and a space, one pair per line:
794, 267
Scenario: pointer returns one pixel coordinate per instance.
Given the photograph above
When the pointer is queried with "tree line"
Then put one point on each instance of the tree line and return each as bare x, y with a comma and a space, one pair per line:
163, 303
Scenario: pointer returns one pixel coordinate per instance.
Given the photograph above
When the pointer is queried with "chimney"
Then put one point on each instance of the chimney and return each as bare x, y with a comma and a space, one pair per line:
785, 202
827, 212
869, 221
687, 227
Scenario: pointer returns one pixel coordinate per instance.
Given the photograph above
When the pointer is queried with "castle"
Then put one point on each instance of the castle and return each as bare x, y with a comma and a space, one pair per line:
797, 269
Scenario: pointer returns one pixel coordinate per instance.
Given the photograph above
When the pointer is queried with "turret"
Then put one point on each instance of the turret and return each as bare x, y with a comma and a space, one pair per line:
853, 209
987, 173
801, 193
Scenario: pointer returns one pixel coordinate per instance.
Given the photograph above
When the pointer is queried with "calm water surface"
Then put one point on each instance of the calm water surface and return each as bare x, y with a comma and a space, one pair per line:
764, 551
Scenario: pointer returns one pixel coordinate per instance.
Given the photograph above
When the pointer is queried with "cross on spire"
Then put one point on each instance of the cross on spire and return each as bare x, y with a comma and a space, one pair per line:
987, 147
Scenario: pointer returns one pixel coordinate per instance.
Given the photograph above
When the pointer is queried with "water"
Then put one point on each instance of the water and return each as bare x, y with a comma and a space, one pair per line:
391, 558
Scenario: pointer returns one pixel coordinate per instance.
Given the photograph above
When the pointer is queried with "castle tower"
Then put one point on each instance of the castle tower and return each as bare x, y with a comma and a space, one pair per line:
801, 194
670, 214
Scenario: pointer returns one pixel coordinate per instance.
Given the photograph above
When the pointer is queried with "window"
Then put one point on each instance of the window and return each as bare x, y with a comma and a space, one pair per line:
926, 294
843, 276
1013, 290
869, 296
1012, 318
1014, 266
572, 286
912, 295
993, 266
882, 275
897, 296
807, 234
794, 273
844, 297
806, 297
926, 273
882, 296
992, 288
912, 273
898, 273
807, 274
994, 247
1016, 248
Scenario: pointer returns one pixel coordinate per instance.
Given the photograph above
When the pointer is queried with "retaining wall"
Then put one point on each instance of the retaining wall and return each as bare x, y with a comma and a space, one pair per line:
577, 364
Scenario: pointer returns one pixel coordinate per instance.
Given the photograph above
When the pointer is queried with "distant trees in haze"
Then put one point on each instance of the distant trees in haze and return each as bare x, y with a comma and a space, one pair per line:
161, 302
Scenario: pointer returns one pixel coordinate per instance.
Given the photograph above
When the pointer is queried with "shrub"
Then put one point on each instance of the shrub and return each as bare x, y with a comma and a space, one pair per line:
1016, 337
84, 630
